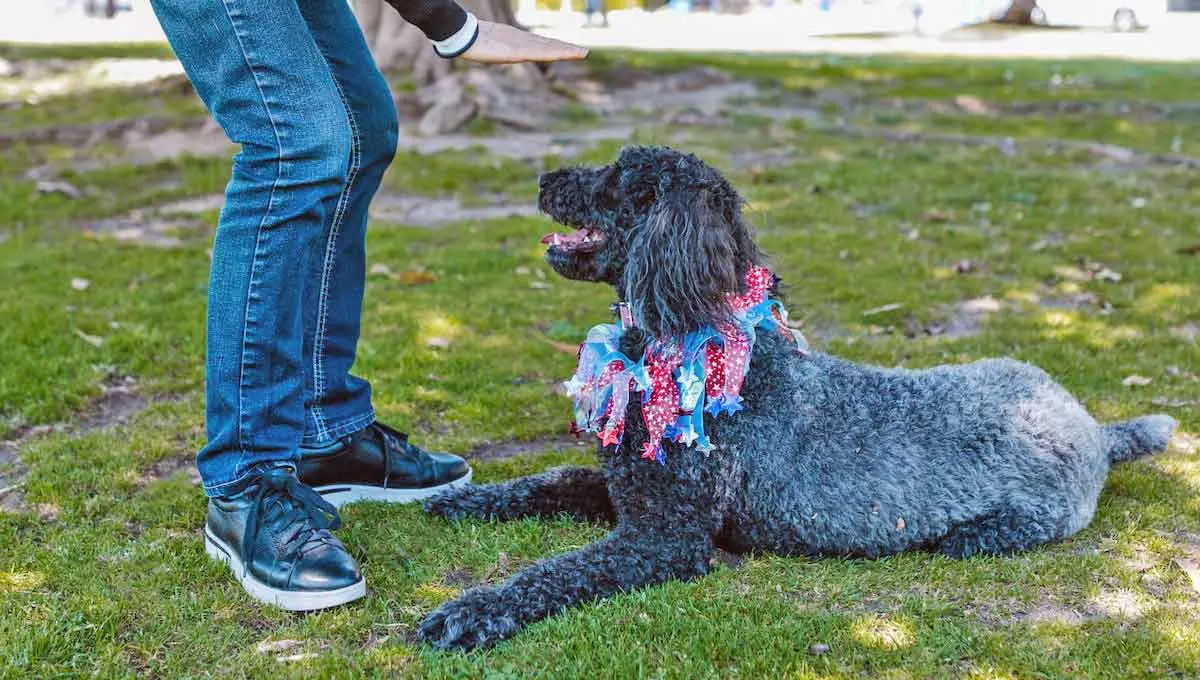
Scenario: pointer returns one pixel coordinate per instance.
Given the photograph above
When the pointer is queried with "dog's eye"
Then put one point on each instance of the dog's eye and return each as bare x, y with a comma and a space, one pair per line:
612, 186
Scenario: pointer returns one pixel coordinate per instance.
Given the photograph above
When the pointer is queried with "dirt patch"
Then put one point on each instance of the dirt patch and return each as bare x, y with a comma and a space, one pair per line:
130, 131
427, 212
459, 578
146, 228
206, 140
501, 450
520, 145
1111, 154
755, 162
117, 403
173, 224
967, 317
166, 469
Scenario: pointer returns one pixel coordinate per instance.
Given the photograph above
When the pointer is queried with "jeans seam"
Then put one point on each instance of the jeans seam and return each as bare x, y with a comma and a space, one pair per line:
327, 266
255, 261
347, 427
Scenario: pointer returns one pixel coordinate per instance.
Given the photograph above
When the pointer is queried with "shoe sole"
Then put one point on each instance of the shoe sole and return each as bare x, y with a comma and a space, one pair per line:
343, 494
289, 600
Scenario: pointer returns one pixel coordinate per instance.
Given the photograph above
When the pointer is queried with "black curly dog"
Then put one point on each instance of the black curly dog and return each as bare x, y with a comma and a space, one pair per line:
828, 457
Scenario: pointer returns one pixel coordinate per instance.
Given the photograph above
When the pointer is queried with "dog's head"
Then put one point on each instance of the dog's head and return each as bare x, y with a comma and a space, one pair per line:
661, 226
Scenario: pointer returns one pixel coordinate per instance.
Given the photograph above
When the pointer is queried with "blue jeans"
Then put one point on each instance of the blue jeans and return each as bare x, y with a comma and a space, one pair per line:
293, 83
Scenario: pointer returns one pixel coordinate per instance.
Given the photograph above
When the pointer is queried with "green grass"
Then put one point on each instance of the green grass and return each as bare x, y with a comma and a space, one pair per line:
102, 572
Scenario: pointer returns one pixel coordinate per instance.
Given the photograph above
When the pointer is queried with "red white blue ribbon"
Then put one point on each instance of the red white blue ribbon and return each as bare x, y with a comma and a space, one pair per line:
680, 379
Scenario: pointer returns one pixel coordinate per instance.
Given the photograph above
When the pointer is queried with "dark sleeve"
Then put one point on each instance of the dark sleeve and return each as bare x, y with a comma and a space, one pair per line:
437, 19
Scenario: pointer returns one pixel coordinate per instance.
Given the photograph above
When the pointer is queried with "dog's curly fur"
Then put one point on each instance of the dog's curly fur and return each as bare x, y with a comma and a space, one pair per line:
828, 458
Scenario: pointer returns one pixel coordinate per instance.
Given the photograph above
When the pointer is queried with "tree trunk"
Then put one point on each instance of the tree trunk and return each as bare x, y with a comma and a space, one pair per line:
1019, 12
454, 93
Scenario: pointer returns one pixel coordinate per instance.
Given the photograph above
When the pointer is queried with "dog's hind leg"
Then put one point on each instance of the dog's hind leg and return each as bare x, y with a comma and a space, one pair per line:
578, 492
630, 557
1006, 532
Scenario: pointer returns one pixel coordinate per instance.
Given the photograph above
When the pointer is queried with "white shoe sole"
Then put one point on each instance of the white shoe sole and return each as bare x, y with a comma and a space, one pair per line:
342, 494
290, 600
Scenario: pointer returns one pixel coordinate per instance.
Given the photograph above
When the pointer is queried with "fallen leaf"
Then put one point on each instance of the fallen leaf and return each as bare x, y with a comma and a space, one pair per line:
276, 646
1136, 381
416, 277
1193, 249
93, 340
937, 215
380, 269
58, 187
80, 284
971, 104
1107, 274
437, 343
883, 308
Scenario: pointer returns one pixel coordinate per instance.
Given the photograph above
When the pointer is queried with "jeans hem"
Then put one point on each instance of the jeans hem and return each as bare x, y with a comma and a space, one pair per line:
222, 489
334, 432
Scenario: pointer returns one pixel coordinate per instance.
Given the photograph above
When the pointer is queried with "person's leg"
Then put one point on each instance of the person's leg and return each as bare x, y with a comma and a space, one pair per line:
346, 455
259, 71
255, 65
338, 403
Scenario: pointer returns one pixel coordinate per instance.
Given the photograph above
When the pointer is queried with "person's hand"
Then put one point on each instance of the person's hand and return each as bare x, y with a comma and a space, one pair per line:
504, 44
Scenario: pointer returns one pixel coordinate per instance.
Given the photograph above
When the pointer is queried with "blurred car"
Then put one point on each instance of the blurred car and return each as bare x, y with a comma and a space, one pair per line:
1119, 15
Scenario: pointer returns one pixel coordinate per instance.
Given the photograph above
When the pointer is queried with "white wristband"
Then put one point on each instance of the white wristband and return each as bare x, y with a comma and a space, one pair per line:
461, 41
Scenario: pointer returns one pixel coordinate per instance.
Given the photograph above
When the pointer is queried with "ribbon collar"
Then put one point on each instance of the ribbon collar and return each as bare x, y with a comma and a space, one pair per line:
679, 379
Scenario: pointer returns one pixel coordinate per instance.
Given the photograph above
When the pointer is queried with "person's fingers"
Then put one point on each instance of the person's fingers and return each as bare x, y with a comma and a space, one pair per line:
503, 44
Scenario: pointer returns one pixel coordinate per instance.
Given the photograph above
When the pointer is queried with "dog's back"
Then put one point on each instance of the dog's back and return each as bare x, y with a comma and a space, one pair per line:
991, 456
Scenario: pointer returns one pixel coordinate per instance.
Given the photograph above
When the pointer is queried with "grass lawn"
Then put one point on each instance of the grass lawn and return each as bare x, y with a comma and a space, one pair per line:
907, 235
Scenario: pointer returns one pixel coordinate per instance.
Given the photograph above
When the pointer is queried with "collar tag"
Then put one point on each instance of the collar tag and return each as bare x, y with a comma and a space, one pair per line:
626, 315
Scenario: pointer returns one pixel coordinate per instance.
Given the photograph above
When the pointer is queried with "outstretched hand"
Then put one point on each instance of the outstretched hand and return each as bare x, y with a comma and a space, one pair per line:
504, 44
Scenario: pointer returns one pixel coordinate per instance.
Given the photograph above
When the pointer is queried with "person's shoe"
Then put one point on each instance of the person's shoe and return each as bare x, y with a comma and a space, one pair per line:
274, 534
379, 464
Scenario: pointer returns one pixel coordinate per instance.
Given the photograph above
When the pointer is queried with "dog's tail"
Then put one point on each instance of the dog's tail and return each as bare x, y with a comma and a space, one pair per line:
1138, 437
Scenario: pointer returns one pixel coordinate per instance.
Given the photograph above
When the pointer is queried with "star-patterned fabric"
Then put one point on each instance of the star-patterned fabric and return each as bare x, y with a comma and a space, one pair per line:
679, 379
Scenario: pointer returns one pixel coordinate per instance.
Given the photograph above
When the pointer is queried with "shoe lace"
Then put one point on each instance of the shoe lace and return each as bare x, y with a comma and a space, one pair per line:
394, 440
298, 508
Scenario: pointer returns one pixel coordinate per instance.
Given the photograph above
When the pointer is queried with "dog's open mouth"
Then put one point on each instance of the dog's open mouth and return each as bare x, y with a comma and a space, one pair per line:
578, 241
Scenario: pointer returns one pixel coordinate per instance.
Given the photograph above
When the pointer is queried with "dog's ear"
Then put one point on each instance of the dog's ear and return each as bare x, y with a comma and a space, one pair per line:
688, 254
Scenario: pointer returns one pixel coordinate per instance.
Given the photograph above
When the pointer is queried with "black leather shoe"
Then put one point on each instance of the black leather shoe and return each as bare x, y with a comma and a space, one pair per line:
274, 534
378, 463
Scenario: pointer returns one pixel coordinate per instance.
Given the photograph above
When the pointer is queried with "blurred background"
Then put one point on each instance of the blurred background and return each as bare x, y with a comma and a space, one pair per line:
1158, 28
935, 181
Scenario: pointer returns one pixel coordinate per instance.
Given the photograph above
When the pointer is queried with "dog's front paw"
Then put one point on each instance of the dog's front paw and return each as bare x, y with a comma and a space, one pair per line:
477, 619
459, 503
